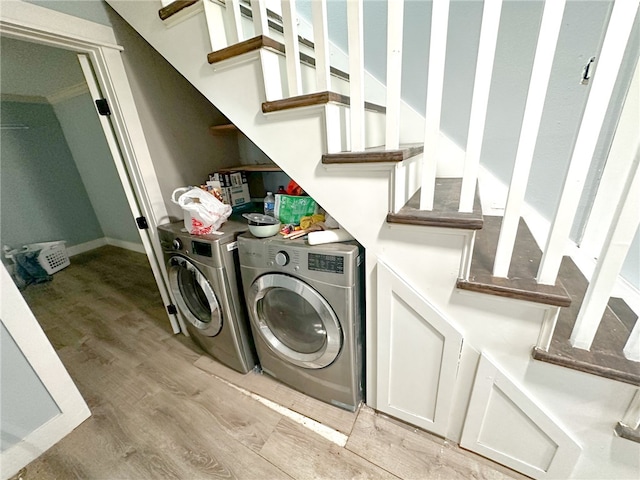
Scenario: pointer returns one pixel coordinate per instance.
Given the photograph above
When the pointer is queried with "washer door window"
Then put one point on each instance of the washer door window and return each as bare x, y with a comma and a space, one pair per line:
194, 296
295, 320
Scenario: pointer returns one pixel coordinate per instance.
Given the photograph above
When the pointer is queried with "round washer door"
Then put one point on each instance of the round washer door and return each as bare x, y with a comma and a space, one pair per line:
295, 320
194, 296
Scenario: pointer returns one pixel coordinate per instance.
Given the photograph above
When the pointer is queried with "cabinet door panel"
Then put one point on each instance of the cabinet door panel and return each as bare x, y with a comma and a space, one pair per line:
505, 424
418, 352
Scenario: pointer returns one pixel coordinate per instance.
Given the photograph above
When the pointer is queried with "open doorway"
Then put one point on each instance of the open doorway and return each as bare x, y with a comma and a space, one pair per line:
59, 181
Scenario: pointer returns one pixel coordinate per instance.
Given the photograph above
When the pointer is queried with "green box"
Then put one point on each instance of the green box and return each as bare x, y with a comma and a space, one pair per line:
289, 209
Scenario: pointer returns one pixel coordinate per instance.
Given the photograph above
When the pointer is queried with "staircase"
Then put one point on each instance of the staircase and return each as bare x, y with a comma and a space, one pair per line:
459, 341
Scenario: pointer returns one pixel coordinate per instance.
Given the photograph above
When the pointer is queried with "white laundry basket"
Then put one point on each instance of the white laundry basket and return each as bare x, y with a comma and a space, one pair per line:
52, 257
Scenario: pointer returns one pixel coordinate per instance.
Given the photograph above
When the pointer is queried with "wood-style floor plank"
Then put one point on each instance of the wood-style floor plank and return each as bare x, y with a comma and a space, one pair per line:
162, 409
411, 453
263, 385
307, 455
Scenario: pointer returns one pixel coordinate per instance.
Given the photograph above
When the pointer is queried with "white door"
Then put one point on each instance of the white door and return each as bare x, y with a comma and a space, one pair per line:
40, 402
114, 147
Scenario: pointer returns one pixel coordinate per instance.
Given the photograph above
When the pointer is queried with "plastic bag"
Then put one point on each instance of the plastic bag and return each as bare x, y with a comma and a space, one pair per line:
203, 212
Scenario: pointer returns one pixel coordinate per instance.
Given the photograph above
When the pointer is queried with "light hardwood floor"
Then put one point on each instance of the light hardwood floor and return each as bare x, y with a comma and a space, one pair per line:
162, 409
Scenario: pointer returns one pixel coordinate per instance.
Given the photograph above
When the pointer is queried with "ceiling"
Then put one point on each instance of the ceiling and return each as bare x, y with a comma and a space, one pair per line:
31, 69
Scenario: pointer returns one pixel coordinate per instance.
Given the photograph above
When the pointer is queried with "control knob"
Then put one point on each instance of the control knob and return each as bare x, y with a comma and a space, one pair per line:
177, 244
282, 258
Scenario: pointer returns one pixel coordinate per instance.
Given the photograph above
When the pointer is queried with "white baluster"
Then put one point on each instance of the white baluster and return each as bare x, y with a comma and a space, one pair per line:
540, 74
616, 38
610, 261
292, 47
435, 82
260, 22
356, 74
394, 72
233, 22
631, 349
481, 88
321, 45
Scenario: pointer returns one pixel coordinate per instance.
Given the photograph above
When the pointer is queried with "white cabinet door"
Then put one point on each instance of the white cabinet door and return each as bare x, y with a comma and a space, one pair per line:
40, 403
418, 353
506, 425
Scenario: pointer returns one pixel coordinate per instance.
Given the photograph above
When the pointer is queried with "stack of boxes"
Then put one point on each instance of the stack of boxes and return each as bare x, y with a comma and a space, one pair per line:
232, 186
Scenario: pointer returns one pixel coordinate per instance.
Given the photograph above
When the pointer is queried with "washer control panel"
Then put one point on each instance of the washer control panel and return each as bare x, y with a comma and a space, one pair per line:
282, 258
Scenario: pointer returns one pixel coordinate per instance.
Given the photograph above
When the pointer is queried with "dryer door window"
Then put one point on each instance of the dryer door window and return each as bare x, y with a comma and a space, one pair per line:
295, 320
194, 296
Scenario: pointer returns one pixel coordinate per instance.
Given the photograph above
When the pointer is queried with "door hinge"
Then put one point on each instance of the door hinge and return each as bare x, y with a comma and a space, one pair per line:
103, 106
171, 309
142, 223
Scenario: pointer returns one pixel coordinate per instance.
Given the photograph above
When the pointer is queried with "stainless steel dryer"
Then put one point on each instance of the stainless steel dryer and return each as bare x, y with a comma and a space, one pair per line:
204, 281
306, 314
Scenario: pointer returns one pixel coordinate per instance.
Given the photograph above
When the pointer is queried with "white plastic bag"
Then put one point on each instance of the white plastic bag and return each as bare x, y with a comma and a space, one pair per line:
203, 213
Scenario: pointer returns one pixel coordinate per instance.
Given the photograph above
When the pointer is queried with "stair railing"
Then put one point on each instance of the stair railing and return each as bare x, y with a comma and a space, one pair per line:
616, 39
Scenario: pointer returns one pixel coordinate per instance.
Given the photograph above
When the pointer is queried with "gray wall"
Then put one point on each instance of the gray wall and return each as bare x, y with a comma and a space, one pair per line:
42, 197
86, 140
26, 403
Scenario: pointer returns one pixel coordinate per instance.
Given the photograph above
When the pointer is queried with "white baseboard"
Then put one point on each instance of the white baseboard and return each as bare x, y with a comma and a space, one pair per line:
135, 247
86, 246
101, 242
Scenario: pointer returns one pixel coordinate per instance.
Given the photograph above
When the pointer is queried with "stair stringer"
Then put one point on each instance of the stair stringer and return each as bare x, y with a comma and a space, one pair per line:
428, 259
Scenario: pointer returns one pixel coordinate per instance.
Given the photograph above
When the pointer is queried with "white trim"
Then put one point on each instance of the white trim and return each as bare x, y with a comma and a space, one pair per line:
134, 247
433, 109
292, 48
74, 250
28, 335
53, 28
321, 44
260, 23
480, 101
395, 23
355, 35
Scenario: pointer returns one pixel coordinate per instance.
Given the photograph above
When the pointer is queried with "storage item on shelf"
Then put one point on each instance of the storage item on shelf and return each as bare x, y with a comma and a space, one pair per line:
203, 212
290, 209
269, 204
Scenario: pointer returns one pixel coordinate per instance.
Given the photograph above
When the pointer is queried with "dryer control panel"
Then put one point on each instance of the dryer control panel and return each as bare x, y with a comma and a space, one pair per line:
326, 263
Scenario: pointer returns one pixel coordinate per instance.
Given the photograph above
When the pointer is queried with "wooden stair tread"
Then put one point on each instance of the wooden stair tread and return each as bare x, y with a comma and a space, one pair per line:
521, 283
311, 99
445, 212
225, 129
175, 7
246, 46
262, 41
605, 358
374, 155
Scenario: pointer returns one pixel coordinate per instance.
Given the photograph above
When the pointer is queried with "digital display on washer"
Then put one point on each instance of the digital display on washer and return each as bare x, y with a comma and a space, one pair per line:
326, 263
201, 248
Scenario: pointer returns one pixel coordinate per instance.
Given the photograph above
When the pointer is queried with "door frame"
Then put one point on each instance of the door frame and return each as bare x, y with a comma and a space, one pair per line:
41, 25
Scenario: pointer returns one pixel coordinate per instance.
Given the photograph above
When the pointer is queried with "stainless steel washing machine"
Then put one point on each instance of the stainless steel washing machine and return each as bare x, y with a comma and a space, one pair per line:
204, 281
306, 313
